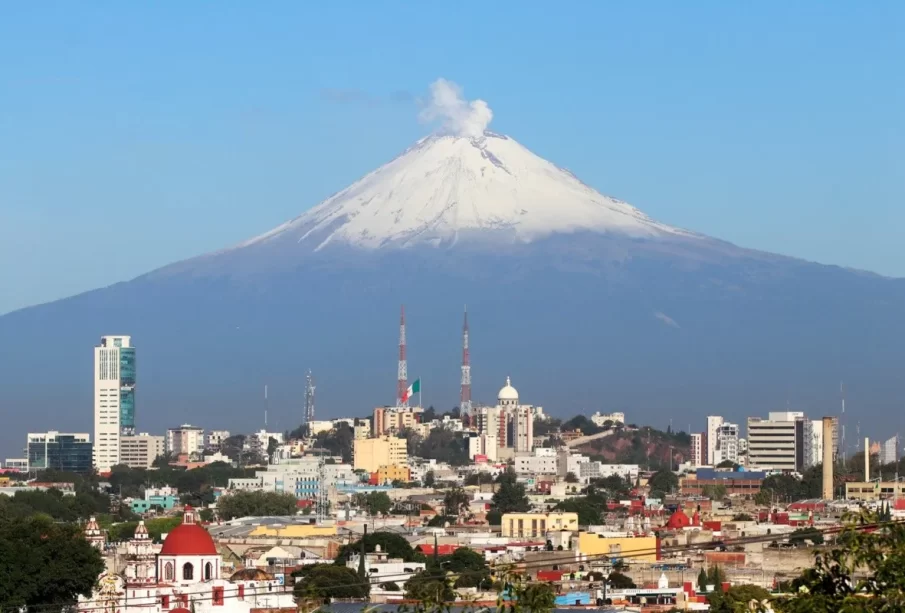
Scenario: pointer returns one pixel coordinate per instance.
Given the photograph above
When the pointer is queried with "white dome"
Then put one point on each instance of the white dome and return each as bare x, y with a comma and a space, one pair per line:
508, 392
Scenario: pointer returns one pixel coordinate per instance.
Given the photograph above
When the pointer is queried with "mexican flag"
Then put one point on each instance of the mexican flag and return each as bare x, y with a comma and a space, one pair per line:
413, 389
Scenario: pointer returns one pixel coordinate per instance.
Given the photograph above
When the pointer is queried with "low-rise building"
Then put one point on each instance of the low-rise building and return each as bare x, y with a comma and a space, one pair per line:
140, 450
536, 525
874, 490
186, 439
615, 546
60, 451
393, 472
735, 482
600, 419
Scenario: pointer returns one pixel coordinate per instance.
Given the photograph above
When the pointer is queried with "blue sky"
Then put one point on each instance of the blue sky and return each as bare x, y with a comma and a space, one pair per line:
135, 135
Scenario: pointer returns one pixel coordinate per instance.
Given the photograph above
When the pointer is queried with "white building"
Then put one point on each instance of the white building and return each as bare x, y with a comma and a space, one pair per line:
114, 398
140, 450
535, 465
380, 568
889, 451
773, 442
317, 426
523, 429
215, 438
186, 439
483, 444
697, 449
599, 419
588, 471
726, 443
713, 424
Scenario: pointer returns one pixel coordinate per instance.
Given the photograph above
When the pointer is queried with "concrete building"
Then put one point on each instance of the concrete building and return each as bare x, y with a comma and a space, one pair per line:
389, 420
874, 490
372, 453
523, 439
215, 438
599, 419
587, 471
186, 439
698, 449
493, 422
535, 465
16, 464
393, 472
114, 398
59, 451
713, 424
362, 429
638, 548
774, 442
726, 443
536, 525
484, 445
140, 450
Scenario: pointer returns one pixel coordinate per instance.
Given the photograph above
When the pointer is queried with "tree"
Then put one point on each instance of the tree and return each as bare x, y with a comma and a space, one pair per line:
662, 482
429, 479
582, 423
390, 586
393, 544
337, 441
532, 597
728, 464
588, 509
544, 427
742, 517
714, 492
45, 564
702, 580
620, 581
571, 478
510, 497
469, 565
801, 535
375, 503
737, 598
323, 581
272, 445
445, 445
478, 478
614, 485
246, 504
716, 576
427, 587
455, 501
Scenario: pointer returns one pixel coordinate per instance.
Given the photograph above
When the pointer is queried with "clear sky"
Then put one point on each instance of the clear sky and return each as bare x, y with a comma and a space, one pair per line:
135, 135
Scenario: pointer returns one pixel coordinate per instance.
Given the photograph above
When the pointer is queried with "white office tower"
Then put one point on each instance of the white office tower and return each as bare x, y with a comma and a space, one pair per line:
713, 424
726, 443
774, 443
114, 398
524, 429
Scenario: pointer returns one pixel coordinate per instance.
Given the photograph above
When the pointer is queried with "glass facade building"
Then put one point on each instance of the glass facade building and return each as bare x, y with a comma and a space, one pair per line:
58, 451
127, 391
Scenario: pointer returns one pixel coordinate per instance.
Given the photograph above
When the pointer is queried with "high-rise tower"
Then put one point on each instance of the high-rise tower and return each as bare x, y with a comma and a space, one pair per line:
402, 382
465, 393
114, 398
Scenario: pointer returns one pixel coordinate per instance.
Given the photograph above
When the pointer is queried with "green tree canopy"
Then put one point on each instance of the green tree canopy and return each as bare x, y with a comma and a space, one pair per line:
620, 581
456, 501
45, 564
323, 581
375, 503
469, 567
737, 598
663, 482
509, 498
245, 504
393, 544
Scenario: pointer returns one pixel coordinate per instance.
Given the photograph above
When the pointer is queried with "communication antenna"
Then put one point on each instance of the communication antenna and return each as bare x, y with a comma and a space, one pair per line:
266, 405
309, 398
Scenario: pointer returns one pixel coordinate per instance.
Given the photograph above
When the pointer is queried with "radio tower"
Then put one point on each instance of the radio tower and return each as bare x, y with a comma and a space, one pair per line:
309, 398
402, 373
465, 394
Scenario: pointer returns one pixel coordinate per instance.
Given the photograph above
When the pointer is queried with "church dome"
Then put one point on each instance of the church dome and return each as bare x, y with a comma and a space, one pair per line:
508, 392
188, 539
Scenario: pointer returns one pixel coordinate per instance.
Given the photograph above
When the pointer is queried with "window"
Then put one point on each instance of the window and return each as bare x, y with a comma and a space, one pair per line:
188, 572
217, 598
168, 571
208, 571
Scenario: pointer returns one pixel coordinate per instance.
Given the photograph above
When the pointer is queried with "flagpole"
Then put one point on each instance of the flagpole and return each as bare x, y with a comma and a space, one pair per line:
420, 397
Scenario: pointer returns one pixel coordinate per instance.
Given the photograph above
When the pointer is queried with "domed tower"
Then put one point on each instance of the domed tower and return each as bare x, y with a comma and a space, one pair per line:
188, 555
140, 553
508, 396
94, 534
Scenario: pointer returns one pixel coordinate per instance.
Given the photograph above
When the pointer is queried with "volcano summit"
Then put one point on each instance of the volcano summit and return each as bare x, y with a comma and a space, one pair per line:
591, 302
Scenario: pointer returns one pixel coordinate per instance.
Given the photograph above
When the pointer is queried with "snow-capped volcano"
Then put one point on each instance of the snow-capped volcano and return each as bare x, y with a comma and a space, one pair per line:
448, 188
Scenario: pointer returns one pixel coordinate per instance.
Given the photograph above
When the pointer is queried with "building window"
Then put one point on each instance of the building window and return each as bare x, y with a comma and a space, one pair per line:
208, 571
168, 571
188, 572
218, 595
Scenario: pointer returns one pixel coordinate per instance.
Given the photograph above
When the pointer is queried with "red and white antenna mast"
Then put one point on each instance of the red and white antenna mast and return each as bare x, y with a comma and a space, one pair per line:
402, 373
465, 394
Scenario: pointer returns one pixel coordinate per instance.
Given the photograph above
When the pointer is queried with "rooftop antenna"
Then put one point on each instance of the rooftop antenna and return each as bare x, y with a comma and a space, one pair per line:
309, 398
265, 406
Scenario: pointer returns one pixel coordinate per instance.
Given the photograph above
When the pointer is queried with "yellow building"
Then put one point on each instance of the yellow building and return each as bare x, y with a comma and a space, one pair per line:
370, 454
640, 548
859, 490
393, 472
394, 419
536, 525
294, 531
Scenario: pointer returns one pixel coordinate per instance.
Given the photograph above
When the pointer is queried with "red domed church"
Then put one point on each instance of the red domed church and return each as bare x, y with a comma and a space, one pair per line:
184, 574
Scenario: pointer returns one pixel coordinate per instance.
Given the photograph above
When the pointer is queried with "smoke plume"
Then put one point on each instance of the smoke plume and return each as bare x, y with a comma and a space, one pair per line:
459, 116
